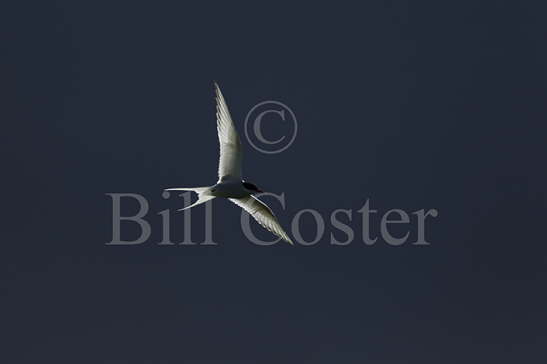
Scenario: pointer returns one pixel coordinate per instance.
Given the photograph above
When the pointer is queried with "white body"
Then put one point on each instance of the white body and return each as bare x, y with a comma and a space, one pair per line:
229, 188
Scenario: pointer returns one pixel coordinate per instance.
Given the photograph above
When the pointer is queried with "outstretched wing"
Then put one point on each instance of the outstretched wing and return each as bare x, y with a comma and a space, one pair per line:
262, 214
229, 164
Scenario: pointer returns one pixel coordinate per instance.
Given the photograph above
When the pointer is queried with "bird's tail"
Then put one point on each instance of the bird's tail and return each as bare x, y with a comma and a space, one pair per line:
203, 195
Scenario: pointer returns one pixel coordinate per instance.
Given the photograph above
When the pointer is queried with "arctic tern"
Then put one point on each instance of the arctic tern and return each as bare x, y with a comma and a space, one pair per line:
230, 184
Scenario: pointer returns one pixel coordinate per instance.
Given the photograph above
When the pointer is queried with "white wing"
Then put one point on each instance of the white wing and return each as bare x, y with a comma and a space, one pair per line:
229, 164
262, 214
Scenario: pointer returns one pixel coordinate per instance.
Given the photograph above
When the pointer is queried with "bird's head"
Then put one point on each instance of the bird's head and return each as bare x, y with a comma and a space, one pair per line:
251, 188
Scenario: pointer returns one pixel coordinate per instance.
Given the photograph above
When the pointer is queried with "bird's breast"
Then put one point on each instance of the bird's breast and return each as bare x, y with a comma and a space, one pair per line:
229, 190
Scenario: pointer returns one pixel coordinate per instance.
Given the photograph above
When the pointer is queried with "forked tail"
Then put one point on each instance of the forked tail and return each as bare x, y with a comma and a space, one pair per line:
203, 195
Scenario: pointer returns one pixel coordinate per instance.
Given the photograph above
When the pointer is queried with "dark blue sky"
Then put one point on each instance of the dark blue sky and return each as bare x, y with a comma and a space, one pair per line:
409, 104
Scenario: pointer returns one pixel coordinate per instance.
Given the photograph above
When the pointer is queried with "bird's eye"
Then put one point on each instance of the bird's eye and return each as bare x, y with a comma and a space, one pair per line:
250, 186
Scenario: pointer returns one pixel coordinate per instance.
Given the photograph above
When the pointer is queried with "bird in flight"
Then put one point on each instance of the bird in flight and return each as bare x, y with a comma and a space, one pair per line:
230, 184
